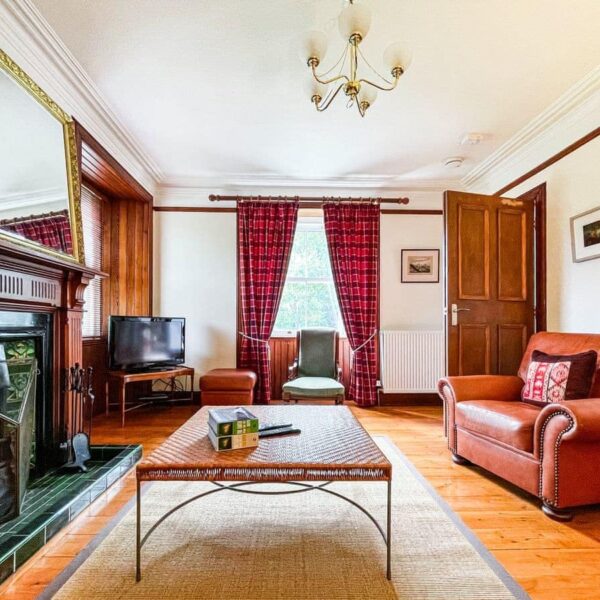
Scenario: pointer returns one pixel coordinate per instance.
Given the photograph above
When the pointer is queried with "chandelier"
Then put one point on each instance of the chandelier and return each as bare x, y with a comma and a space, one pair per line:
354, 22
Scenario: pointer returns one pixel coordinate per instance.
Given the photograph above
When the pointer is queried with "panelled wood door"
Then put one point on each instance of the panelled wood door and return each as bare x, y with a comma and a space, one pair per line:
490, 282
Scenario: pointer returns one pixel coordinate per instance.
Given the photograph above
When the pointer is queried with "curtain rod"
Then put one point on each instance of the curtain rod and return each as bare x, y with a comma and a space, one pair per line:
38, 217
317, 201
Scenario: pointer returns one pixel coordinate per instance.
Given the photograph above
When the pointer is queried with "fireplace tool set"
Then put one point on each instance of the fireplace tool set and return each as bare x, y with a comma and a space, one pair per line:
80, 401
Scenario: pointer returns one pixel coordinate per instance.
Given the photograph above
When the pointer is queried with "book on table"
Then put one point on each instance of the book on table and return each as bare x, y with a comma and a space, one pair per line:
232, 442
232, 428
232, 421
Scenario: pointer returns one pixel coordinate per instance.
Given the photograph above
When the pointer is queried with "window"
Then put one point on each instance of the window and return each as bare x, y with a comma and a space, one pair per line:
309, 298
92, 217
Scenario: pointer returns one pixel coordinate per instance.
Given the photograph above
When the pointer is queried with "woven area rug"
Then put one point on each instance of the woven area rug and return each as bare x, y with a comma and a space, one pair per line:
309, 545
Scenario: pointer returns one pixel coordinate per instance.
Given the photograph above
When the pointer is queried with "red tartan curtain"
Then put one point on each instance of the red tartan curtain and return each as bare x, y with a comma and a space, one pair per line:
265, 235
51, 230
353, 239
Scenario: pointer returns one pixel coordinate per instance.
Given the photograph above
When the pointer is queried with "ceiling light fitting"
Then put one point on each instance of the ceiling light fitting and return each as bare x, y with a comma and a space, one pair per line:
354, 22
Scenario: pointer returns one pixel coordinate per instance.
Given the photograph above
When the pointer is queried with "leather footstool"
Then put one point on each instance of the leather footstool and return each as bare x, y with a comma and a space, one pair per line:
227, 387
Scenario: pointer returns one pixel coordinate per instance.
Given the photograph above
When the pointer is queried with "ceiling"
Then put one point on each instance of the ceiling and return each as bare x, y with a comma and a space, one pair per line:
216, 88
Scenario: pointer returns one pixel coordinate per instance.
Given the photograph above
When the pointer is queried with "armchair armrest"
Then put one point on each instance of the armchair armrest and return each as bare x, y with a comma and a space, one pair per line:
567, 444
338, 372
582, 419
480, 387
293, 370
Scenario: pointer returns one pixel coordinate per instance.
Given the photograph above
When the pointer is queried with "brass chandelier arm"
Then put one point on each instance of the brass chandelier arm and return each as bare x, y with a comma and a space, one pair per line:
329, 100
379, 87
327, 81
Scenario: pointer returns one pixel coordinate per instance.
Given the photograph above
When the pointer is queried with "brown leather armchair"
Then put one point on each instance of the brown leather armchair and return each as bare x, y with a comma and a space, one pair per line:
552, 452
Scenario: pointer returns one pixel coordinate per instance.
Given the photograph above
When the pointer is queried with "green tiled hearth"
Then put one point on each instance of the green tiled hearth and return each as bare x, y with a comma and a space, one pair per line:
57, 498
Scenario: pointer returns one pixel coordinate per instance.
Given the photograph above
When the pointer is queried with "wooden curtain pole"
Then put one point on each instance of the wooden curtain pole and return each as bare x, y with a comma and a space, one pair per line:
307, 201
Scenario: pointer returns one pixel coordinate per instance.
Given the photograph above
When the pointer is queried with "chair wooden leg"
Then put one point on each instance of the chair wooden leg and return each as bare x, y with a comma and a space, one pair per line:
285, 396
459, 460
556, 514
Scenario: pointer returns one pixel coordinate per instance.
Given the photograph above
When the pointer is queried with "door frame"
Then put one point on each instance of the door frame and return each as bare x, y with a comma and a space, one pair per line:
537, 195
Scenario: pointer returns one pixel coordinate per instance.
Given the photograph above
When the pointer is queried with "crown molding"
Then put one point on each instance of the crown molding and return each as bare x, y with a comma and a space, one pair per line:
571, 116
33, 198
27, 37
267, 184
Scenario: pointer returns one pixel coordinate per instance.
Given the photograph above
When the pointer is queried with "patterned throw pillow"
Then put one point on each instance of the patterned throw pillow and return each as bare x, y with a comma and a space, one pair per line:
555, 378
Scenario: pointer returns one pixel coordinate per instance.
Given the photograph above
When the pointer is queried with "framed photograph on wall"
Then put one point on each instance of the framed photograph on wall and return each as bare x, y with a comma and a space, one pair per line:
585, 235
420, 266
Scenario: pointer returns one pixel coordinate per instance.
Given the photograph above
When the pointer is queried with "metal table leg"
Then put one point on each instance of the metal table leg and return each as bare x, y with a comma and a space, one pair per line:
138, 533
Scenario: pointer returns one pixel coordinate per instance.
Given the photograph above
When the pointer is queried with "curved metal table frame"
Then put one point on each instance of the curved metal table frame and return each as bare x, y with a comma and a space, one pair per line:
237, 487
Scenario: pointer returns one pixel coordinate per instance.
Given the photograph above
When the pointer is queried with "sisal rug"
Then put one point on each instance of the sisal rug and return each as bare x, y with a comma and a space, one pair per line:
304, 546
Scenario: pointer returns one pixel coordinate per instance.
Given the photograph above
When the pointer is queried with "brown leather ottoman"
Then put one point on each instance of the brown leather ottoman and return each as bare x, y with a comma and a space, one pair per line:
227, 386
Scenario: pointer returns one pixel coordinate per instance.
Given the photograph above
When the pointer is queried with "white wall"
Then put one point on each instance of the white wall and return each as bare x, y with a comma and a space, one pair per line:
195, 278
195, 273
573, 186
409, 305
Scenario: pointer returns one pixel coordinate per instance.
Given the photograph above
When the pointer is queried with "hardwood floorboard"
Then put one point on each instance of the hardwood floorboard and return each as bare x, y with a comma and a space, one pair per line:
551, 560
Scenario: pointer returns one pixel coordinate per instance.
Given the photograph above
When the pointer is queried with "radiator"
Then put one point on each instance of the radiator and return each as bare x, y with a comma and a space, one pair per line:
412, 361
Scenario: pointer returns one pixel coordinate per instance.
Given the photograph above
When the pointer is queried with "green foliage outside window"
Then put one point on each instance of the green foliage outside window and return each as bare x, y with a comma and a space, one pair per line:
309, 298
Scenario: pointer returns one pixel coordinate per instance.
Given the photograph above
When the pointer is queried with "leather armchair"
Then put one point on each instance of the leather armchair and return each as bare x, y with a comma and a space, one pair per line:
552, 452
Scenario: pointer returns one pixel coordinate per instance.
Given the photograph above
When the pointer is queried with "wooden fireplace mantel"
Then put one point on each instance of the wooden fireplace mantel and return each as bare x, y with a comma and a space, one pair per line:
33, 281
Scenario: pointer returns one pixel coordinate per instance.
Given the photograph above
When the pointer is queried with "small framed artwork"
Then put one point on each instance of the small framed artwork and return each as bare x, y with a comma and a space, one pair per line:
585, 235
420, 266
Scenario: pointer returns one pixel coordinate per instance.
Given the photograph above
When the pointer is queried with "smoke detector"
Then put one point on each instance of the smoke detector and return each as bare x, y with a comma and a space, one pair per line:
453, 162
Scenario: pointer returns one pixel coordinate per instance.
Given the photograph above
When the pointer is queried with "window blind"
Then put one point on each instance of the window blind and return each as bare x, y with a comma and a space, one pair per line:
93, 239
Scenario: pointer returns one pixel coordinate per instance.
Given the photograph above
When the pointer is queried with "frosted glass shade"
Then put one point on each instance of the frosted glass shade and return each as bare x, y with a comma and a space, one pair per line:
367, 94
313, 45
313, 87
396, 55
355, 18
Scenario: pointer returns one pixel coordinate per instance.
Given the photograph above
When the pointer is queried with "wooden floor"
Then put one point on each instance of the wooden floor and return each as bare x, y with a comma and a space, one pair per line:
550, 560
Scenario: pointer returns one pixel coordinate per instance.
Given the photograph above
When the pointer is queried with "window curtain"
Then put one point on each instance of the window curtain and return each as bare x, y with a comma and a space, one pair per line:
265, 236
352, 232
52, 230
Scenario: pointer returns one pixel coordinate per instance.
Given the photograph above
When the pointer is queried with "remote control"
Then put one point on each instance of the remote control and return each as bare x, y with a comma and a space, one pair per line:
267, 426
278, 431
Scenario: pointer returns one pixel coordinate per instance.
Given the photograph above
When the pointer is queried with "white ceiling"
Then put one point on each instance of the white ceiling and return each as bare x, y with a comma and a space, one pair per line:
216, 89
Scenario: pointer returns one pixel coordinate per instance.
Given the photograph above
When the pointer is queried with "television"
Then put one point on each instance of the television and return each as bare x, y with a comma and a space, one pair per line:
145, 343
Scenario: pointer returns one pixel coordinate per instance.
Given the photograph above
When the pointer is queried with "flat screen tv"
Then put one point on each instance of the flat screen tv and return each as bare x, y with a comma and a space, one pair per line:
145, 343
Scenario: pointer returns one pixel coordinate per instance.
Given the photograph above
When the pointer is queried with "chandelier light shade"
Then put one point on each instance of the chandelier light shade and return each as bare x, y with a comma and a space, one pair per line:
355, 18
313, 45
352, 73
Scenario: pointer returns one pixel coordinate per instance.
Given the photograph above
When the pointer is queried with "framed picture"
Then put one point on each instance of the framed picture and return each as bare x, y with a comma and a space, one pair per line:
420, 266
585, 235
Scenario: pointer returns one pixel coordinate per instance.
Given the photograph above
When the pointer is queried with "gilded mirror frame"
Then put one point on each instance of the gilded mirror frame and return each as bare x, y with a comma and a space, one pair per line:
71, 159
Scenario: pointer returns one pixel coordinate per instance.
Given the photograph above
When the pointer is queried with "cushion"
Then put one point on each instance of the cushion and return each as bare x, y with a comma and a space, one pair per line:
509, 422
316, 355
557, 378
314, 387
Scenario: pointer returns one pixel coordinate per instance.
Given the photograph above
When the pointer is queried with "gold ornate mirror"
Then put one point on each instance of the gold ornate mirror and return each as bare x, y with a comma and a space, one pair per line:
39, 179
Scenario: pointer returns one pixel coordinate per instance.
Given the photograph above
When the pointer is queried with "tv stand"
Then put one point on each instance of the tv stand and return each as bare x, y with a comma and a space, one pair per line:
122, 378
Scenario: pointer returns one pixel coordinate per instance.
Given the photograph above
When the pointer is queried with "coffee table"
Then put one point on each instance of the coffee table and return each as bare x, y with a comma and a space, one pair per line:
333, 446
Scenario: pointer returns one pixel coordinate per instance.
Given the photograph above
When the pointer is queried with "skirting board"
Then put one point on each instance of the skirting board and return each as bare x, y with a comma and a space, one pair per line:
426, 399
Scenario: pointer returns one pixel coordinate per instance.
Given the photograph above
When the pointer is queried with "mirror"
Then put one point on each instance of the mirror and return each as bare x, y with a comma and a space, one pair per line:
39, 179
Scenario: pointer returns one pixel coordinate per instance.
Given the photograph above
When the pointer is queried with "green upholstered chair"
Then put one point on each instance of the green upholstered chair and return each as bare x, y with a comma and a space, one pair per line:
315, 373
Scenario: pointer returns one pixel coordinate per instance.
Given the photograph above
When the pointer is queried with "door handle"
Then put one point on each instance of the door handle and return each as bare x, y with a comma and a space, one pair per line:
455, 311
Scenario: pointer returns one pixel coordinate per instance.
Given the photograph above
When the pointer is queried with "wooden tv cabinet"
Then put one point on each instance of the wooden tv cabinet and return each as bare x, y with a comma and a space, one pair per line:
122, 378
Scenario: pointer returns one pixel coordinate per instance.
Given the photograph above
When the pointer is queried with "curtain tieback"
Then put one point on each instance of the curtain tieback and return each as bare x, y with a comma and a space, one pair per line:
366, 341
249, 337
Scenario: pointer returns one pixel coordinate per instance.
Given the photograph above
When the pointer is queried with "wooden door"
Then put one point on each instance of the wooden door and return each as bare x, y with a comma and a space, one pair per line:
490, 282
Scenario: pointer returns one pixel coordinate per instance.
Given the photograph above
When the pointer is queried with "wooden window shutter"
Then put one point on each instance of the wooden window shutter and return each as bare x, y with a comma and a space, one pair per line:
92, 215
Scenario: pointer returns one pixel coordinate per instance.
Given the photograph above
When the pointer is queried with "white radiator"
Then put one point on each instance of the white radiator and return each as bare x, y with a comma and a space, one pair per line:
411, 361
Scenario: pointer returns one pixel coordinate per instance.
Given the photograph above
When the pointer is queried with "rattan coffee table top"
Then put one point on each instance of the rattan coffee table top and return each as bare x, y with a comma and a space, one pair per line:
333, 445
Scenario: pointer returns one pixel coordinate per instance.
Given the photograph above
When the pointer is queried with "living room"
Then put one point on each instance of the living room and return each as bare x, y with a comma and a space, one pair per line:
229, 299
